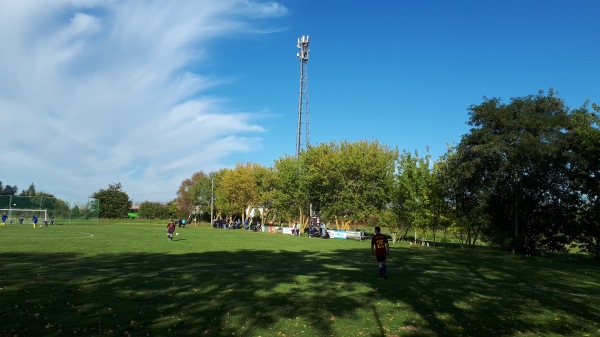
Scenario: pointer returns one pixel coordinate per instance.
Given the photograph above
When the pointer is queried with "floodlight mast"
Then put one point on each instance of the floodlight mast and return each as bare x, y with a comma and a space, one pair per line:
303, 97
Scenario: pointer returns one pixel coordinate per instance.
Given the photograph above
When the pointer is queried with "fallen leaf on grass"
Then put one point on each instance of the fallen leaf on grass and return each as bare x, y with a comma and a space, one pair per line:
409, 328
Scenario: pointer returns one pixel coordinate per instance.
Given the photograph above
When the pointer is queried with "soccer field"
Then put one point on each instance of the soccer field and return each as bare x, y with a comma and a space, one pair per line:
127, 279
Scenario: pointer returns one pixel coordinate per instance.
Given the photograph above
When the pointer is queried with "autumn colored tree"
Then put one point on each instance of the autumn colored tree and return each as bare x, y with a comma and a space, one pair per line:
236, 190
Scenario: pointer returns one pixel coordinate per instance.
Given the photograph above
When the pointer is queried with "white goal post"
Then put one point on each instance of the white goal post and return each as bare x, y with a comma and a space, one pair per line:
16, 214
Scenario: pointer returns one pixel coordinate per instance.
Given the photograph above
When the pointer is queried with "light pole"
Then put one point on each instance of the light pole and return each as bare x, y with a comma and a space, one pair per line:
212, 198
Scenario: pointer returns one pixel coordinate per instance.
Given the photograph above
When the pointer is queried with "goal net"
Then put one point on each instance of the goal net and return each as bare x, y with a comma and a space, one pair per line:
50, 209
21, 216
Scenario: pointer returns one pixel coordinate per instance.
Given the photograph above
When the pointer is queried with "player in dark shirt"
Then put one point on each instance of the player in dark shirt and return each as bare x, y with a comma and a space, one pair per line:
170, 230
381, 249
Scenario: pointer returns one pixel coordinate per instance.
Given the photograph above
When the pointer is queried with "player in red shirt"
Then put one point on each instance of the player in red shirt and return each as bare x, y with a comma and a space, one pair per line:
381, 249
170, 230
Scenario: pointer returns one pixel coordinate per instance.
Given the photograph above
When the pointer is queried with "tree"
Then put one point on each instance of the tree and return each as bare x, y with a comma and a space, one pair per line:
153, 210
584, 140
30, 191
509, 170
290, 197
349, 183
114, 203
411, 194
439, 209
8, 190
464, 194
265, 182
194, 195
236, 190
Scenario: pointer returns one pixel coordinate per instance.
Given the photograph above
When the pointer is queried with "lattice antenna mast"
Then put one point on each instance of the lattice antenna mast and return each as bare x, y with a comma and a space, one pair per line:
303, 99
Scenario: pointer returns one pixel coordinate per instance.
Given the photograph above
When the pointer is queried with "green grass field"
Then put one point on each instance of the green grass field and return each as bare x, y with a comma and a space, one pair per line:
126, 279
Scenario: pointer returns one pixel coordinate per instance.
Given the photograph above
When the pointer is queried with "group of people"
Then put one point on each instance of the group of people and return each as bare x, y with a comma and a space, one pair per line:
226, 224
34, 220
314, 231
380, 247
296, 229
237, 224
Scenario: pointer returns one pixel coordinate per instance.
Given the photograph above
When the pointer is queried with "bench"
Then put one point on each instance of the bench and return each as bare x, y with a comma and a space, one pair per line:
357, 235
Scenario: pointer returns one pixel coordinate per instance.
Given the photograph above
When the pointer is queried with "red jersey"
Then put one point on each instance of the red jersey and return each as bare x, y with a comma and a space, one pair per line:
379, 241
171, 227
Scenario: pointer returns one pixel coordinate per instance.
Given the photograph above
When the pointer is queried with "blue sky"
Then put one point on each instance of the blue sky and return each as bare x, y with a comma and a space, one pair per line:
146, 93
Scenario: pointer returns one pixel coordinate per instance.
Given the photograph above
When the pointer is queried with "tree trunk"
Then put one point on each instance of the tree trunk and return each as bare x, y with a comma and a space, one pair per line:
302, 221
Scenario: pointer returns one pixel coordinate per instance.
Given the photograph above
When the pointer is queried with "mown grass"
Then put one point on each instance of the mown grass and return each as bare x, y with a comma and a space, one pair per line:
126, 279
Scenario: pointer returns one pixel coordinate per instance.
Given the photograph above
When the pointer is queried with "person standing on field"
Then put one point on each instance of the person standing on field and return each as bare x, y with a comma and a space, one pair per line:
381, 249
4, 216
35, 220
170, 230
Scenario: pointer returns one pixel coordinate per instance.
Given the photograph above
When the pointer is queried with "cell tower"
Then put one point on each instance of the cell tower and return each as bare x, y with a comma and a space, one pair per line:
303, 99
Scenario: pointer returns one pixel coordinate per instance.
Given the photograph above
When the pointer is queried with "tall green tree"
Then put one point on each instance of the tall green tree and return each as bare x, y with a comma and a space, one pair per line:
513, 167
114, 202
194, 194
8, 189
265, 181
585, 173
349, 183
411, 194
153, 210
465, 194
290, 197
30, 192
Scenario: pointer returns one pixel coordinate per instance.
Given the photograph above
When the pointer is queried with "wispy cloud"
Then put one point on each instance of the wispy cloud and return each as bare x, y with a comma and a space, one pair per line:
95, 92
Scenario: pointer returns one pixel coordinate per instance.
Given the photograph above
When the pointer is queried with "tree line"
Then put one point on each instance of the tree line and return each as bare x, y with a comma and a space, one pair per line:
525, 177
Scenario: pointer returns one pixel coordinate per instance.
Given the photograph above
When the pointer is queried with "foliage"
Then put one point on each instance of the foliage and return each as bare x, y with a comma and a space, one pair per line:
410, 201
114, 203
153, 210
194, 195
508, 172
237, 190
463, 196
265, 182
8, 190
585, 174
525, 176
30, 192
290, 198
348, 182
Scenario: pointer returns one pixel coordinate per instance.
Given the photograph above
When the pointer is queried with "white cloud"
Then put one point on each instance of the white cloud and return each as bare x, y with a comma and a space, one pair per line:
97, 92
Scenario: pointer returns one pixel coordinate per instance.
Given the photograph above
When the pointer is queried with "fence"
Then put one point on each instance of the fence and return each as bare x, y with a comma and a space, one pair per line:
59, 210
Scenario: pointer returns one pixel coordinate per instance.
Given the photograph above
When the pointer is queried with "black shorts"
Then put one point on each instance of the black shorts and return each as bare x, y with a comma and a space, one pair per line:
380, 258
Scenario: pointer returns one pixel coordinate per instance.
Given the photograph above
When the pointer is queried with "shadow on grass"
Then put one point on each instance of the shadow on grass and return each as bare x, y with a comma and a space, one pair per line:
431, 292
